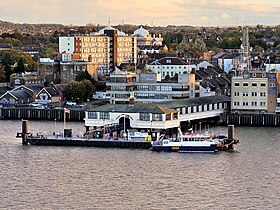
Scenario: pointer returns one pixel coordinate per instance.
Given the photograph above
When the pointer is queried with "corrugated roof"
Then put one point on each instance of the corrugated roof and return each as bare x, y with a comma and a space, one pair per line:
137, 108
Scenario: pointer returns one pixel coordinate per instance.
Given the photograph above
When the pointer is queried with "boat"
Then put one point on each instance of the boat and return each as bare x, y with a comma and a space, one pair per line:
191, 142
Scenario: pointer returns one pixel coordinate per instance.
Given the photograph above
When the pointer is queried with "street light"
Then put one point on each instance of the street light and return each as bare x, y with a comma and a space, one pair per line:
124, 132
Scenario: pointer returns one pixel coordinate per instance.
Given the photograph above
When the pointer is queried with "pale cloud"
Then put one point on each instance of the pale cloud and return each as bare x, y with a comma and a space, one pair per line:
225, 16
161, 12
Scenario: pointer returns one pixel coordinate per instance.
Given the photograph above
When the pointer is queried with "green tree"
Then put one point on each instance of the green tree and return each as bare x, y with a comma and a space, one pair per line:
79, 90
83, 75
2, 74
20, 66
89, 90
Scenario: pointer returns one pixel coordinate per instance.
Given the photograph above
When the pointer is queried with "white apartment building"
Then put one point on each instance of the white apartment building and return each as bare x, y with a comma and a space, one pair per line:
170, 66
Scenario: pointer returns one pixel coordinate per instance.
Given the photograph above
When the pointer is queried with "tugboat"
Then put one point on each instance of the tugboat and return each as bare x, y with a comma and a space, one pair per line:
191, 142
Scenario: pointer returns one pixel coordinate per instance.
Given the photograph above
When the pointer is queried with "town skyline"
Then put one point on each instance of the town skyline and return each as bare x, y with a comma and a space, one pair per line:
158, 13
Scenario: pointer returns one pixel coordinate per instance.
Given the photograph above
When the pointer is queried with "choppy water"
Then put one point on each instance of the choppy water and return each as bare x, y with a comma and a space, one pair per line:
94, 178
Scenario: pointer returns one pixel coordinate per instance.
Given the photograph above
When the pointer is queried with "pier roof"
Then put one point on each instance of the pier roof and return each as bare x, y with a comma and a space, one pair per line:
137, 108
196, 101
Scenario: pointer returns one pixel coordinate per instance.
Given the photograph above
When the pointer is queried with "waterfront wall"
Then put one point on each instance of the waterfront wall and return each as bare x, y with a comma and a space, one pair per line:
270, 120
41, 114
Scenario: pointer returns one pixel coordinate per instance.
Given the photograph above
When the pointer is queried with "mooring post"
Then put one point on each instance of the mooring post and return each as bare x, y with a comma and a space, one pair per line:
230, 137
24, 131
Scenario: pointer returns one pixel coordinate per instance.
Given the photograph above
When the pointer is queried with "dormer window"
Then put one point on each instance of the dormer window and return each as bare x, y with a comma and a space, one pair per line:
168, 61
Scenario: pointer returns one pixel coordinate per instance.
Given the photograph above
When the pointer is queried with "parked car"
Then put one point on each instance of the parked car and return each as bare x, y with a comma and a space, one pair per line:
36, 104
70, 103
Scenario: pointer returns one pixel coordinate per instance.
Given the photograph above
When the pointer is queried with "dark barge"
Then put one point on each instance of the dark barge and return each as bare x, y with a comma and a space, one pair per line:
68, 140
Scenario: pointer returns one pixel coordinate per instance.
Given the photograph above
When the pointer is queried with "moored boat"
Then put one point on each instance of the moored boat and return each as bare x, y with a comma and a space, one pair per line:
191, 142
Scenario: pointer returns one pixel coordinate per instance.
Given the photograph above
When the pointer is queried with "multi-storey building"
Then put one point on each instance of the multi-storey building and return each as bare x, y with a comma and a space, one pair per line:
170, 66
48, 69
255, 92
148, 88
108, 48
70, 69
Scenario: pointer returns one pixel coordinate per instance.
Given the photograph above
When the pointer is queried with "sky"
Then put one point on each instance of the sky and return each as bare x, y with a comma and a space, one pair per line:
143, 12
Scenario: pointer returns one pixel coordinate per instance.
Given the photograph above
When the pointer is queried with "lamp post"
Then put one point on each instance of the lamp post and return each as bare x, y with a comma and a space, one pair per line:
124, 132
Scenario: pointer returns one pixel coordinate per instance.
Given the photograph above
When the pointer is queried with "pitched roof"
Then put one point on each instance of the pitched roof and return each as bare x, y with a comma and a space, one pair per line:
4, 89
137, 108
18, 94
52, 91
59, 87
168, 61
32, 87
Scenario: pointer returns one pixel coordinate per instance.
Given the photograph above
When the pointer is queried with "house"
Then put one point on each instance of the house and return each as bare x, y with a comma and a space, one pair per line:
229, 61
26, 78
16, 98
30, 49
48, 95
170, 65
32, 89
203, 64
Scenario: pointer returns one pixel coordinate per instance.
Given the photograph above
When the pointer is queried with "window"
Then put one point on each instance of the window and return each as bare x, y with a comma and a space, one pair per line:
254, 75
254, 103
236, 84
92, 115
104, 115
263, 75
157, 117
168, 117
145, 116
263, 94
236, 93
263, 84
245, 84
245, 103
262, 103
245, 94
271, 85
236, 103
254, 94
254, 84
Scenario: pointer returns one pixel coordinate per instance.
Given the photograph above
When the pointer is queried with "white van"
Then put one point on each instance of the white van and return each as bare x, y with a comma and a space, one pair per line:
101, 95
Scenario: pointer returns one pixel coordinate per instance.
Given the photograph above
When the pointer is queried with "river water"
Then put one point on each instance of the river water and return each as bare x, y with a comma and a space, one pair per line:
33, 177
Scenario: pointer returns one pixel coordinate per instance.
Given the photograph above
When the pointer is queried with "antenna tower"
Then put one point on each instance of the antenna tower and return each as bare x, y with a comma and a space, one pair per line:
245, 63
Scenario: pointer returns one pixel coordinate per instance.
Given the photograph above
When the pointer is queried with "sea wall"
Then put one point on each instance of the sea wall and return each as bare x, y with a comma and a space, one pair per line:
41, 114
269, 120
